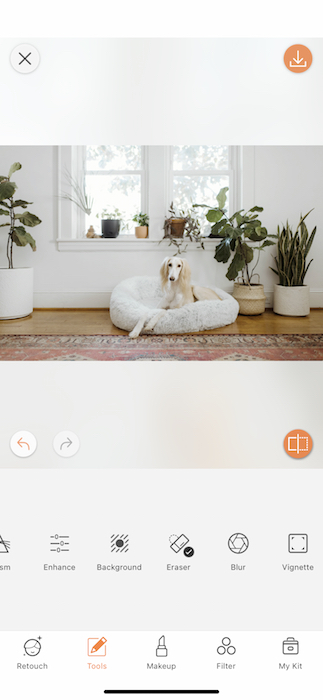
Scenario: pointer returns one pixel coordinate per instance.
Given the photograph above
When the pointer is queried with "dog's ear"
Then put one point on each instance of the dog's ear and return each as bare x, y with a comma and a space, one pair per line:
185, 274
164, 271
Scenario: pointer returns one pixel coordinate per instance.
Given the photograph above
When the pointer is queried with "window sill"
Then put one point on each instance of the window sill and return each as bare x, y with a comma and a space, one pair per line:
117, 244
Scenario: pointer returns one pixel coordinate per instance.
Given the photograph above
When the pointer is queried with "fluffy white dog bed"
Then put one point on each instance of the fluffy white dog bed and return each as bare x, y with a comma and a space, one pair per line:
132, 297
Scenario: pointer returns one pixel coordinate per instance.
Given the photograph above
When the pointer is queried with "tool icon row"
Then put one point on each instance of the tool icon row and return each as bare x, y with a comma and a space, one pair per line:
120, 544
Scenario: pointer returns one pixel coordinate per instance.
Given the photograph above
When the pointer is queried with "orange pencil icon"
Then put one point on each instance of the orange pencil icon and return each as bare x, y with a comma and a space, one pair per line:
98, 645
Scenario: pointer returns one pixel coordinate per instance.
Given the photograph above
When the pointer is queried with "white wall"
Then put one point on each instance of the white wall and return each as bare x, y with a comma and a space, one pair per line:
284, 180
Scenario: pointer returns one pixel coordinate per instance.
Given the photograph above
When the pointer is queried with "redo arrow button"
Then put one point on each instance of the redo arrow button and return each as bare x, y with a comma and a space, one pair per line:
66, 444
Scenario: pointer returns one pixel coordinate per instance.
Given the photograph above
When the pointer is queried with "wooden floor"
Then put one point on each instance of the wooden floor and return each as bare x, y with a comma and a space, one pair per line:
98, 322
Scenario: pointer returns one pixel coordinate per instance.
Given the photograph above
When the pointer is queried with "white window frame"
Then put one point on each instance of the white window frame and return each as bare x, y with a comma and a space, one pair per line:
156, 197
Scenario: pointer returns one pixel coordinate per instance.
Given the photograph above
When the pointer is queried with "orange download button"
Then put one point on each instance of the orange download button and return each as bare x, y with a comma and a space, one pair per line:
298, 444
298, 58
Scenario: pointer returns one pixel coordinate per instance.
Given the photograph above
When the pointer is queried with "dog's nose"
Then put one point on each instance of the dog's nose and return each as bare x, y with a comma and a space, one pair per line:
172, 279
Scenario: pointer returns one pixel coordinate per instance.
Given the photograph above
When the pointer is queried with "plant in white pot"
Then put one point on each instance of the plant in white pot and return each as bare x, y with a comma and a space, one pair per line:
291, 295
242, 239
16, 284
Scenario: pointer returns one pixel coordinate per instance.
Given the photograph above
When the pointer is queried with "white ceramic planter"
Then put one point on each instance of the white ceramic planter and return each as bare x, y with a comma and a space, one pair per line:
291, 301
16, 292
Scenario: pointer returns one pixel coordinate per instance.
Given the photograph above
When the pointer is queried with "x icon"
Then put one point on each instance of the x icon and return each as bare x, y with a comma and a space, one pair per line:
24, 58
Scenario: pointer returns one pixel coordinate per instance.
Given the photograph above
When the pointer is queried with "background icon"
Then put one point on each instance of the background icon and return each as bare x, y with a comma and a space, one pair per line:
4, 546
238, 543
298, 58
290, 646
25, 58
120, 543
59, 543
298, 544
66, 444
298, 444
226, 647
32, 647
23, 443
96, 646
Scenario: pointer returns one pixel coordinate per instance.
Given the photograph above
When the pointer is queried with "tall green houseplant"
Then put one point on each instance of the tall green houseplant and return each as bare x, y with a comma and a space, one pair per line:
17, 220
242, 235
292, 251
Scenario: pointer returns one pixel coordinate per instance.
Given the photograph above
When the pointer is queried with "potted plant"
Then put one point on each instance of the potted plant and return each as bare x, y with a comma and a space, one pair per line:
182, 226
291, 295
141, 231
16, 284
242, 239
111, 223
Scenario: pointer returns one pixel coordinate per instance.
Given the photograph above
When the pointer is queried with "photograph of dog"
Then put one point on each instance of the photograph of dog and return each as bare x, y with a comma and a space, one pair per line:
175, 274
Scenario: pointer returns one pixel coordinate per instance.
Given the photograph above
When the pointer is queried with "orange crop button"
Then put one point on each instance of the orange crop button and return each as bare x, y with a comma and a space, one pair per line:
298, 58
298, 444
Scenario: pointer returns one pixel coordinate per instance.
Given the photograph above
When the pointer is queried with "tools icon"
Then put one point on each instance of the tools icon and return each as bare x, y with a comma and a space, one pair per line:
96, 646
298, 444
226, 647
59, 543
178, 543
161, 648
298, 544
238, 543
119, 543
4, 546
32, 647
23, 443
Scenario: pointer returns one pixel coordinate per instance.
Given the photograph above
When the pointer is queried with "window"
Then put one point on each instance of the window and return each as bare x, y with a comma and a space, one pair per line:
137, 178
198, 173
114, 178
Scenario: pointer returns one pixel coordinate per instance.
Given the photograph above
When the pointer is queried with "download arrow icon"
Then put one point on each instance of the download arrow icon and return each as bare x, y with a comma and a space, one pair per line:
298, 59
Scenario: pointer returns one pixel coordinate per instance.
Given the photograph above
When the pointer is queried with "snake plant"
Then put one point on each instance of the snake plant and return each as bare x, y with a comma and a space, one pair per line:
292, 252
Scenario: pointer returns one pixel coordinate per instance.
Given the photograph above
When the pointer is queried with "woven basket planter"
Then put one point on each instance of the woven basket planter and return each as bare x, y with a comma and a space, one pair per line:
251, 299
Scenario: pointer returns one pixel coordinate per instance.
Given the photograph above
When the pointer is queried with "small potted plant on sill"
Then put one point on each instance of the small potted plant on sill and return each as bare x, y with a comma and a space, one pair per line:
291, 295
181, 229
16, 284
111, 223
242, 239
141, 231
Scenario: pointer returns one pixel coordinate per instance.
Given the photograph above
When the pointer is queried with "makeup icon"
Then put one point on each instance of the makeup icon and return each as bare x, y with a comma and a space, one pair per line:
161, 648
178, 543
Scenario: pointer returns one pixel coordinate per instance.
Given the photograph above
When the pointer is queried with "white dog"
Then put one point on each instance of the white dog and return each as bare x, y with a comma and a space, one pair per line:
177, 291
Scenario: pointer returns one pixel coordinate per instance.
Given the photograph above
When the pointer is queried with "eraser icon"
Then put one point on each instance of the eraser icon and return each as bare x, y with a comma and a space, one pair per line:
161, 649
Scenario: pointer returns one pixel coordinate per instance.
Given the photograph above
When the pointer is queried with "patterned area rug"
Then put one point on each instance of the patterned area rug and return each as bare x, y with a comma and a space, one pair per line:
171, 347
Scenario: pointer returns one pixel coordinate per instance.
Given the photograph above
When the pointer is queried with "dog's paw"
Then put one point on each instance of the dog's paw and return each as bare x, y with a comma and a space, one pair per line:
134, 334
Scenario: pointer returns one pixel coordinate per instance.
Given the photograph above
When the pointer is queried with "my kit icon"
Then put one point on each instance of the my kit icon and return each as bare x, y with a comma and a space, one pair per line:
290, 646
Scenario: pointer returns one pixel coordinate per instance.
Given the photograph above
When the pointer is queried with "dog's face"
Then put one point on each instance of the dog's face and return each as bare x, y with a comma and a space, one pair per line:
173, 268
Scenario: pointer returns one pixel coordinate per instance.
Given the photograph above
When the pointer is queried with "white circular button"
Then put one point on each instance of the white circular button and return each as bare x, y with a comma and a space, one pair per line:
25, 58
66, 444
23, 443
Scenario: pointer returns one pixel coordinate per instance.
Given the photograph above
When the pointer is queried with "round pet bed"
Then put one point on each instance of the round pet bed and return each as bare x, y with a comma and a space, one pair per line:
133, 297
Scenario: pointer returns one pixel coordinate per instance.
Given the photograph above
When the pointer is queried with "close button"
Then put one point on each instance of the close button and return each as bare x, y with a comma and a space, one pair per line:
25, 58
